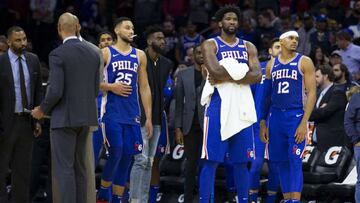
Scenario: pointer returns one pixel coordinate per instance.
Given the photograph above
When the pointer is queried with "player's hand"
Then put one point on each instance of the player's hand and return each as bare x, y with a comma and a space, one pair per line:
149, 128
37, 130
301, 132
264, 132
179, 137
213, 81
121, 89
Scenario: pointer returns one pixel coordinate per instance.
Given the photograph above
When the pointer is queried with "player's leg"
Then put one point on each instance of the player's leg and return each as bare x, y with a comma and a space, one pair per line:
229, 178
120, 178
207, 180
114, 135
213, 152
97, 144
278, 149
273, 183
256, 165
241, 148
295, 156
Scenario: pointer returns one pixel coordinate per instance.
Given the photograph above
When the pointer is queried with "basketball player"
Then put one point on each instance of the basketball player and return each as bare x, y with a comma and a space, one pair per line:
256, 165
125, 69
104, 39
288, 77
240, 145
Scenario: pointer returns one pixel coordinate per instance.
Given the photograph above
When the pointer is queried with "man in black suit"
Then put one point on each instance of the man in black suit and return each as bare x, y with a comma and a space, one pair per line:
70, 99
189, 116
20, 90
328, 114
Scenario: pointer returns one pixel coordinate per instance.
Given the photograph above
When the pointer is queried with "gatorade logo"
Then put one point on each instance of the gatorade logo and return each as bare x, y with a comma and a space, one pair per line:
181, 198
332, 155
178, 152
307, 153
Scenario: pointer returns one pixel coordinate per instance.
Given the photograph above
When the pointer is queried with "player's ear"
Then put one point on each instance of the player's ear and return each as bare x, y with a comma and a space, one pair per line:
220, 24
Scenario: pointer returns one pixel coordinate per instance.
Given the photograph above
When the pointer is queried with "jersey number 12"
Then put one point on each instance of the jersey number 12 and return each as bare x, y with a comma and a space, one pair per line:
283, 87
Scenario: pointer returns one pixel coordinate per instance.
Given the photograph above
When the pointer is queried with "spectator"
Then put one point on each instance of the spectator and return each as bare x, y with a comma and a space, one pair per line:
176, 9
335, 58
199, 12
305, 31
321, 36
286, 23
355, 26
214, 28
342, 78
328, 111
171, 39
319, 57
265, 31
352, 128
349, 53
335, 10
246, 31
3, 44
189, 39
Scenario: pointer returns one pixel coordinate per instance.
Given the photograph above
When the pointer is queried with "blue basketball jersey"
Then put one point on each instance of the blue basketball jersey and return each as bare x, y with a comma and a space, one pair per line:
287, 84
224, 50
258, 90
122, 67
188, 42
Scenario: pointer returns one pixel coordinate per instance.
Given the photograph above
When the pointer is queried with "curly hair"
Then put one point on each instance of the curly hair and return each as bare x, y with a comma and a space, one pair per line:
219, 15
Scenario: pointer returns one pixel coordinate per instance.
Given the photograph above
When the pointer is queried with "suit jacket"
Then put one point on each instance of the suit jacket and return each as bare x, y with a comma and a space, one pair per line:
7, 89
186, 97
329, 119
74, 85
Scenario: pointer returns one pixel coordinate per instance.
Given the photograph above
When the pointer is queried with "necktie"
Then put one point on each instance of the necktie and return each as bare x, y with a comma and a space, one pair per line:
24, 100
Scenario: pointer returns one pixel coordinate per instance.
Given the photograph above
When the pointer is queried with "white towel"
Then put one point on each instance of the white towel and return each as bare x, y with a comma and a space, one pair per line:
237, 103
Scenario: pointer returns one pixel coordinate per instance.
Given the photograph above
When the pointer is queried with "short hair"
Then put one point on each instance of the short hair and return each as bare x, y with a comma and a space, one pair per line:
272, 42
151, 30
266, 14
104, 32
3, 39
195, 46
13, 29
120, 20
219, 15
327, 70
343, 34
344, 69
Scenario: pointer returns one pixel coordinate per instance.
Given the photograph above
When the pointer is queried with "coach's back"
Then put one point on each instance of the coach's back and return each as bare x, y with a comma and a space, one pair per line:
80, 66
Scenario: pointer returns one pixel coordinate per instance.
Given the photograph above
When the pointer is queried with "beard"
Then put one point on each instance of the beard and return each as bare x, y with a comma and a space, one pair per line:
228, 31
158, 49
337, 78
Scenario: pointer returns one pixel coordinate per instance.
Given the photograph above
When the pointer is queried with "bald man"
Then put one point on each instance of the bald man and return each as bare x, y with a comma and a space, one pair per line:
70, 100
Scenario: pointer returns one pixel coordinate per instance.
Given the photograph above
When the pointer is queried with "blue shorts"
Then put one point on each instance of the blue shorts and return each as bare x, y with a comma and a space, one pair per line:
163, 139
240, 146
125, 136
282, 129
